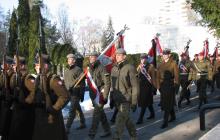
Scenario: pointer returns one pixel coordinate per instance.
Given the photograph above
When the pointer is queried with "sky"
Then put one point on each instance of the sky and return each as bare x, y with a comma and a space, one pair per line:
121, 11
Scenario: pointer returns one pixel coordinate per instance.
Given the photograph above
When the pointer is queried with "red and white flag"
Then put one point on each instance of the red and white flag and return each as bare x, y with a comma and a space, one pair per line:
205, 50
99, 98
107, 57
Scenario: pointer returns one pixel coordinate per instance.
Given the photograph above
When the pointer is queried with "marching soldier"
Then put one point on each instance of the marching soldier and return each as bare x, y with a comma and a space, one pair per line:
71, 75
125, 89
202, 74
184, 67
50, 97
99, 83
211, 83
167, 78
22, 121
6, 98
146, 75
216, 71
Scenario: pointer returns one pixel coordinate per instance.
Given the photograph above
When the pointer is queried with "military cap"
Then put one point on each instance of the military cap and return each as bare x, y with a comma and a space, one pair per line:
21, 60
143, 56
45, 59
9, 60
201, 54
121, 51
166, 51
71, 56
94, 53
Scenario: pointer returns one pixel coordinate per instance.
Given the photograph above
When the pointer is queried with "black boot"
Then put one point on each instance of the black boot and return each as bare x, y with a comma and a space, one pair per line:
164, 125
188, 102
173, 116
179, 104
140, 119
152, 114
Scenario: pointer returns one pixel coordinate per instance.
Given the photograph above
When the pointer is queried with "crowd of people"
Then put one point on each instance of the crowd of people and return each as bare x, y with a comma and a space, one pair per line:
31, 105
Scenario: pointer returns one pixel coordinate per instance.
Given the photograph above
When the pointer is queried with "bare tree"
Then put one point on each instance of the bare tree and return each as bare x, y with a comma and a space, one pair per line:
64, 25
88, 36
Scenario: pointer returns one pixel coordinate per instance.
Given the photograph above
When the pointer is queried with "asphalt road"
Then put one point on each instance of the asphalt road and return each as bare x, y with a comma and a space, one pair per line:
186, 126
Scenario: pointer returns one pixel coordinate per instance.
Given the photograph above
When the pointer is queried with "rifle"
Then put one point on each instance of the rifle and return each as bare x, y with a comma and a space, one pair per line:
186, 49
43, 77
17, 67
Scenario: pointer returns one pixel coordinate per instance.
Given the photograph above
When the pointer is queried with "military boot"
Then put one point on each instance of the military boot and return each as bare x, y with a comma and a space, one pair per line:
105, 134
82, 126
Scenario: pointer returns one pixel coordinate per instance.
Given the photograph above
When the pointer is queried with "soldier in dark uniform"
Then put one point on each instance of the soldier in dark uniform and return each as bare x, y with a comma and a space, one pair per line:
101, 79
125, 89
211, 83
167, 78
6, 99
216, 71
22, 122
184, 67
202, 73
51, 96
146, 76
71, 76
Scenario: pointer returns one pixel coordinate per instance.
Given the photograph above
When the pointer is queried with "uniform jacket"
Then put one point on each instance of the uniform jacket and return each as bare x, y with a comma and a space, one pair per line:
201, 67
101, 78
124, 83
71, 76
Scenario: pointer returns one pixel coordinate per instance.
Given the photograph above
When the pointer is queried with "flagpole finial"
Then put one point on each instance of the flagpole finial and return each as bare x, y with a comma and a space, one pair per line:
123, 30
158, 34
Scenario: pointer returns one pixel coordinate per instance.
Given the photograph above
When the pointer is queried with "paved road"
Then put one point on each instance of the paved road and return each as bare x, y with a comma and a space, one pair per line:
186, 126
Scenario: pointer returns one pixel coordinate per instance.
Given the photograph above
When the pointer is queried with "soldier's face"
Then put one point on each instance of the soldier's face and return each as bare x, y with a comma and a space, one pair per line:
37, 67
71, 61
200, 57
166, 56
92, 59
120, 57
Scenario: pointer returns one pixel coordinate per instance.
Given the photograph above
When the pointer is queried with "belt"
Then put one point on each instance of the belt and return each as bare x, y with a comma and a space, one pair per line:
202, 74
184, 73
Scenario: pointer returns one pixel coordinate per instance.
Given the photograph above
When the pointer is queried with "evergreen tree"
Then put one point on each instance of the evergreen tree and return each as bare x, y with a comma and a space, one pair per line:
108, 34
35, 25
12, 42
209, 11
23, 21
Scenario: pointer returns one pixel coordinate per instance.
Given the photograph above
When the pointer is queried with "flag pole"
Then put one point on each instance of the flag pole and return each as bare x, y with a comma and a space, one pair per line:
118, 35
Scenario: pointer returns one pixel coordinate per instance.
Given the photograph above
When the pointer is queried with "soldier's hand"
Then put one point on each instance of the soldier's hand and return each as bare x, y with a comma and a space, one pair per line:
133, 108
51, 110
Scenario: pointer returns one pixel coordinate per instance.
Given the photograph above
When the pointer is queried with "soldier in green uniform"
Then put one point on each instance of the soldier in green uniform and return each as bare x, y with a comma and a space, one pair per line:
125, 90
167, 78
202, 73
211, 83
147, 81
50, 97
22, 121
71, 76
184, 67
101, 80
216, 71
